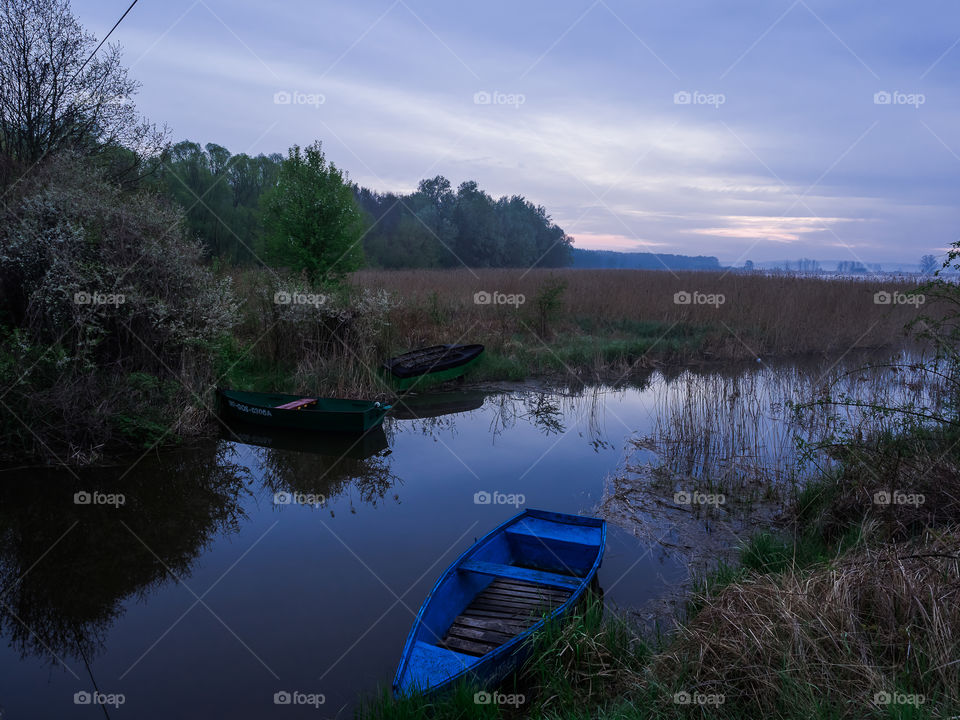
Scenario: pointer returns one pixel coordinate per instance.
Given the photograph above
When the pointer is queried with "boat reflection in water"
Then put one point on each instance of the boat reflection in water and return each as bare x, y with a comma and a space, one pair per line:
322, 465
337, 445
421, 407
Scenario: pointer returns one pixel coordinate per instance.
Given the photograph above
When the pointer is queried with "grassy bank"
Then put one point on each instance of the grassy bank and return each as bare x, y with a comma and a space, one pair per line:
853, 611
142, 364
582, 325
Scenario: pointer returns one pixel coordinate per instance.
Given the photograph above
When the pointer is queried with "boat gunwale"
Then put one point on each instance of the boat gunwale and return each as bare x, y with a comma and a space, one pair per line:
511, 644
371, 405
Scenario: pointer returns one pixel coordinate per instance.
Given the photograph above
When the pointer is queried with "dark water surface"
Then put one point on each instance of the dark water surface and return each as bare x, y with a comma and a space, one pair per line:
215, 585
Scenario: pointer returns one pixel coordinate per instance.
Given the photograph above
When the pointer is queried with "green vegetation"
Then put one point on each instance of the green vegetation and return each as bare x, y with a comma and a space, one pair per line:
136, 277
849, 610
435, 227
313, 224
232, 206
111, 317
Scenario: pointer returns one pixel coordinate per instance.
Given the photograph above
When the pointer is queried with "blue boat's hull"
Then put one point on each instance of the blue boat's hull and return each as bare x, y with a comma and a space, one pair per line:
535, 549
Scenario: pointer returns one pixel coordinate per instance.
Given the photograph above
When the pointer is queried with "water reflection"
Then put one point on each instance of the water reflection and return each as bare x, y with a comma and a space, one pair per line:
432, 405
325, 595
321, 465
66, 568
727, 447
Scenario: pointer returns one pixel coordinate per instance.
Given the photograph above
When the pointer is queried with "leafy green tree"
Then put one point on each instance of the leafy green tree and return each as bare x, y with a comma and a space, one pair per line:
312, 220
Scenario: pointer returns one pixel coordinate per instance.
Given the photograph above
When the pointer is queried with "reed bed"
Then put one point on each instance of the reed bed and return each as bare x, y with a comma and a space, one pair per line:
879, 626
575, 325
760, 314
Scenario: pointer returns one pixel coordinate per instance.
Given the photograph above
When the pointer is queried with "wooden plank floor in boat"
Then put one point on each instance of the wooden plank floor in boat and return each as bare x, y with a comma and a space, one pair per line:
504, 609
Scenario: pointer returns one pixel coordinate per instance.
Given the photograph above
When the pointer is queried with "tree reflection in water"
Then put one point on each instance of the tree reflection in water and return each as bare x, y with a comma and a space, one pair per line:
67, 568
326, 465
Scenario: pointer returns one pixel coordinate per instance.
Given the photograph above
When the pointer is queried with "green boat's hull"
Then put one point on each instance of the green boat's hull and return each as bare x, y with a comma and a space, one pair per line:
327, 415
432, 378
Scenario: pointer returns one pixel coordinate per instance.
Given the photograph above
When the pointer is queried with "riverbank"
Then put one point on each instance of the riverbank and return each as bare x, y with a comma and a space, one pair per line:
578, 325
851, 610
260, 329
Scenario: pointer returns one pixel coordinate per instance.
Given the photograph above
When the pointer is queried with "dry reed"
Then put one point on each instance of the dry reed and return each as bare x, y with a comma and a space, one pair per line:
877, 622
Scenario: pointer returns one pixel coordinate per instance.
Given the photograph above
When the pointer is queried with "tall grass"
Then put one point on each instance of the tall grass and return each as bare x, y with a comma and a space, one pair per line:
584, 325
766, 314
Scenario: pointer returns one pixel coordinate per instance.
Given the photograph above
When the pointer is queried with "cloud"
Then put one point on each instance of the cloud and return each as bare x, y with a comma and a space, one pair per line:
598, 139
776, 229
600, 241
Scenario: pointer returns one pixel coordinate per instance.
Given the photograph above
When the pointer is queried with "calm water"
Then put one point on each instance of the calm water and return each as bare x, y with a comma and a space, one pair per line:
202, 596
282, 563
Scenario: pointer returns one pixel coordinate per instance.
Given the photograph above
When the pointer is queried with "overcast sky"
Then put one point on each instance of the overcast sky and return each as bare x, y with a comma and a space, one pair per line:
745, 129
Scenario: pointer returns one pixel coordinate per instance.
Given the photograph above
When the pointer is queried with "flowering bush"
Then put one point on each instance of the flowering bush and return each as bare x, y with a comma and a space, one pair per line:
110, 315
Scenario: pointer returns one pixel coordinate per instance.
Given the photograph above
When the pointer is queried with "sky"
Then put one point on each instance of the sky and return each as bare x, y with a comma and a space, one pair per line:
749, 129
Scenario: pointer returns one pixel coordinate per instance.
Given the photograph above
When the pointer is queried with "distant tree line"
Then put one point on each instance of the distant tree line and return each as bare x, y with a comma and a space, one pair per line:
227, 203
641, 260
437, 227
220, 194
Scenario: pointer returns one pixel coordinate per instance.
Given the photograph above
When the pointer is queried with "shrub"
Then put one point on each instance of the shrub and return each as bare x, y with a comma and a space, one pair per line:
111, 315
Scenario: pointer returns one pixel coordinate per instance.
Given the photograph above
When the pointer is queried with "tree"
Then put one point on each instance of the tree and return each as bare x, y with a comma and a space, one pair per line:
54, 96
311, 217
928, 265
479, 243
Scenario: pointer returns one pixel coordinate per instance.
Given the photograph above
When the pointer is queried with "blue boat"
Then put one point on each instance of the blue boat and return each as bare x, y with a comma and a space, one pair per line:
476, 622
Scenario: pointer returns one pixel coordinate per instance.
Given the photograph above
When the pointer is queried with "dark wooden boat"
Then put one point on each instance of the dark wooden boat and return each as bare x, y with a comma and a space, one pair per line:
477, 620
433, 364
301, 412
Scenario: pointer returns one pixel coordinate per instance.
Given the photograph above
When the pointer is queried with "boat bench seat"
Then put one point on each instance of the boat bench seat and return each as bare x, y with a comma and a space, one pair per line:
297, 404
518, 573
546, 531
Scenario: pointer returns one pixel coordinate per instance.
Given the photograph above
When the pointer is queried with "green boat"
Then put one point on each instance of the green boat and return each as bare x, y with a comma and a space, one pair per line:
430, 365
301, 412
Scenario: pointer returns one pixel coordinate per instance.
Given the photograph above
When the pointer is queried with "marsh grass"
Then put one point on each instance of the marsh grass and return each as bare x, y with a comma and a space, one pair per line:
584, 325
457, 704
586, 658
769, 314
880, 619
